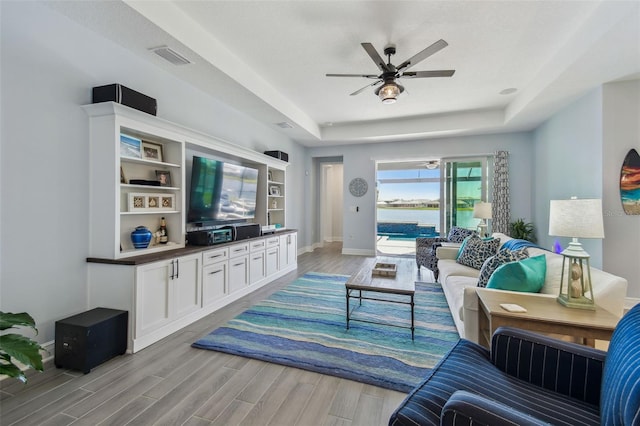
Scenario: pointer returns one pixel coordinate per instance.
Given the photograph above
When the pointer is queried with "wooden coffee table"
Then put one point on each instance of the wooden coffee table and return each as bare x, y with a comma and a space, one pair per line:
544, 314
364, 281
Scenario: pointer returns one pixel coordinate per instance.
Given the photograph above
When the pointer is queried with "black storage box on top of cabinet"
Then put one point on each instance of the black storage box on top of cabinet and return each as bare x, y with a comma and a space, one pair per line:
125, 96
88, 339
278, 154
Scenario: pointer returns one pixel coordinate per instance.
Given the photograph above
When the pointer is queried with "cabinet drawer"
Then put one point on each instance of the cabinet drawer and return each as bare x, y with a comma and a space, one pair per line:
215, 255
238, 250
273, 242
258, 245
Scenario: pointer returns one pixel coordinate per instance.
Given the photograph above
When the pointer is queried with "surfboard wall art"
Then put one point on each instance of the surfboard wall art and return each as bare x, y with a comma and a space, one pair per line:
630, 183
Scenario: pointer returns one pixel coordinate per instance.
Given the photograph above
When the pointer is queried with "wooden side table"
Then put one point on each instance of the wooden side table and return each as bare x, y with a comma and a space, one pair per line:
544, 314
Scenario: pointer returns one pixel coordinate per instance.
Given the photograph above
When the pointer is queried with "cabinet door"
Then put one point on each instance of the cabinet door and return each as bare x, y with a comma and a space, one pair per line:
273, 260
288, 250
257, 269
238, 273
186, 285
214, 282
153, 297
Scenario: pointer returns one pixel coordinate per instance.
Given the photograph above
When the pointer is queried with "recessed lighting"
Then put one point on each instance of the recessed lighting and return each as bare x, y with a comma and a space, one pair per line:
509, 91
285, 125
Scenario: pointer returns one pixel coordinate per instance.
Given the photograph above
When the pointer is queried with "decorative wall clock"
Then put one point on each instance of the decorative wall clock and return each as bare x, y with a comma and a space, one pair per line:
358, 187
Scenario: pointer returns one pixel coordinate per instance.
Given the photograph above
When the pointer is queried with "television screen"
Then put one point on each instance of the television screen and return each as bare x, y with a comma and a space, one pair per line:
221, 192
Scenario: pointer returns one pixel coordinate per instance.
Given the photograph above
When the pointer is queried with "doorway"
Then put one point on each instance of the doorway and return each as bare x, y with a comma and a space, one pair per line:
407, 204
331, 202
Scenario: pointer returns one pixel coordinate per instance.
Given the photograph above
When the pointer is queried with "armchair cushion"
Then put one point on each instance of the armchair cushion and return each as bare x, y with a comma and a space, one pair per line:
620, 395
468, 367
465, 408
568, 368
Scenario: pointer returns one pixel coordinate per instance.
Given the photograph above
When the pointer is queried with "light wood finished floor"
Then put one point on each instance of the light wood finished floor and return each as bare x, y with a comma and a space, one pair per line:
171, 383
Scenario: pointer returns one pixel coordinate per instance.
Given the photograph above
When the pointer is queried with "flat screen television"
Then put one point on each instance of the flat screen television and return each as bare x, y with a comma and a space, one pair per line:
221, 192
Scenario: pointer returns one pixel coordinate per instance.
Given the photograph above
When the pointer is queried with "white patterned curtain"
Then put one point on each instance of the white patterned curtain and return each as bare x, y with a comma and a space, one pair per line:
500, 202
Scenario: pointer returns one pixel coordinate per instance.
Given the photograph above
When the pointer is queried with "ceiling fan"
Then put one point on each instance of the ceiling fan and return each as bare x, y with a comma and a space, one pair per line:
390, 90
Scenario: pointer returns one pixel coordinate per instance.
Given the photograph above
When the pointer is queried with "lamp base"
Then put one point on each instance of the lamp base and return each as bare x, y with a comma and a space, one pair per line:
576, 302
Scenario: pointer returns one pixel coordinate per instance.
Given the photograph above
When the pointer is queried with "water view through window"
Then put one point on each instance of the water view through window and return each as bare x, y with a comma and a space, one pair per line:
409, 198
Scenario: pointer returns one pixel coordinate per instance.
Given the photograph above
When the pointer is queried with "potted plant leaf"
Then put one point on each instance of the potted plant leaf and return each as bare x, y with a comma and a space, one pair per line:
522, 230
18, 348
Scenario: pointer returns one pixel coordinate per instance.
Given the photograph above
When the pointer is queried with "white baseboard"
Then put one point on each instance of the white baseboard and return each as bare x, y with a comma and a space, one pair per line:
358, 252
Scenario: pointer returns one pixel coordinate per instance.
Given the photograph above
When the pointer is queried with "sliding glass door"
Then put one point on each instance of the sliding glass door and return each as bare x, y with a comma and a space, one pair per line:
464, 182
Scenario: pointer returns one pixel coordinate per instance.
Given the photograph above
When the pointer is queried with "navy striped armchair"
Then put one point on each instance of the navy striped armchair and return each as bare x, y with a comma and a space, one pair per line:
530, 379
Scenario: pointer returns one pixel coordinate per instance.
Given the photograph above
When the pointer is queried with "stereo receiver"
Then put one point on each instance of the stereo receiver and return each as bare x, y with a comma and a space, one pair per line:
209, 237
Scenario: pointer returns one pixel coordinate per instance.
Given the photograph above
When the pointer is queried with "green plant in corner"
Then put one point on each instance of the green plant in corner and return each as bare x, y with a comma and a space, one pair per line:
522, 230
15, 347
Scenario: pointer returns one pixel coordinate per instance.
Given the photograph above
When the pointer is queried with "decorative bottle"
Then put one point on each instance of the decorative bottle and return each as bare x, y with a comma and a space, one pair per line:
163, 235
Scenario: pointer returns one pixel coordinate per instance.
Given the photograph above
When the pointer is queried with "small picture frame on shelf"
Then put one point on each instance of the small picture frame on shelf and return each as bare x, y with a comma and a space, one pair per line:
164, 177
153, 202
167, 202
269, 175
274, 190
151, 151
130, 146
137, 202
122, 178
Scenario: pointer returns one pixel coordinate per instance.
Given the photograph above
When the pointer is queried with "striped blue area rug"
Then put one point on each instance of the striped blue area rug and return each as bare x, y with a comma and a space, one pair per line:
304, 326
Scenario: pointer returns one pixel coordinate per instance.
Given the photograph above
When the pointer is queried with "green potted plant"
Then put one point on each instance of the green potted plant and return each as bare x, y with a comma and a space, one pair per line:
522, 230
18, 348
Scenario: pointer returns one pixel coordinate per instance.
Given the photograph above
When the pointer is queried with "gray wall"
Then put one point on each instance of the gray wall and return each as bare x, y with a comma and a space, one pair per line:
48, 66
359, 161
568, 162
621, 132
579, 151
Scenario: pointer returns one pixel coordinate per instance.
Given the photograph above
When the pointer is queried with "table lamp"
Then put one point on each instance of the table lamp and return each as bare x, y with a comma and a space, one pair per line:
576, 218
482, 211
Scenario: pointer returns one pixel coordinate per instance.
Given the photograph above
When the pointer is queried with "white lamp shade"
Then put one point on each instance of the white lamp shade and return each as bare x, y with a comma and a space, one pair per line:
482, 210
576, 218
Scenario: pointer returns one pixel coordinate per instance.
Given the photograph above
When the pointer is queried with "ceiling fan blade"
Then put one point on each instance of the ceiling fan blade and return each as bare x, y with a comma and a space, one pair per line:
365, 88
426, 74
420, 56
373, 54
353, 75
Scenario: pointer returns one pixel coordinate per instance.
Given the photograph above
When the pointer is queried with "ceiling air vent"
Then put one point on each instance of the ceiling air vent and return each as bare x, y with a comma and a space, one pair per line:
284, 125
170, 55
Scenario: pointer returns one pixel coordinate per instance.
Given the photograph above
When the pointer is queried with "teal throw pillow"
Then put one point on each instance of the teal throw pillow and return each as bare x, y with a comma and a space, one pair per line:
526, 275
494, 262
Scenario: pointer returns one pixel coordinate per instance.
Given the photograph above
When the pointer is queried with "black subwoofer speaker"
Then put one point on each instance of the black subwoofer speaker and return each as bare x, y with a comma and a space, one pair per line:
90, 338
125, 96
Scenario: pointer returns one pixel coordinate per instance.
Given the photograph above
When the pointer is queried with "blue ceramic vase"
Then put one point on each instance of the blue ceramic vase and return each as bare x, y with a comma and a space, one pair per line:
141, 237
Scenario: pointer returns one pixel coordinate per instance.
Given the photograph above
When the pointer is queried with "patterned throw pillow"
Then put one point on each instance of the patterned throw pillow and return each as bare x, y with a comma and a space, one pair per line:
477, 250
503, 256
457, 235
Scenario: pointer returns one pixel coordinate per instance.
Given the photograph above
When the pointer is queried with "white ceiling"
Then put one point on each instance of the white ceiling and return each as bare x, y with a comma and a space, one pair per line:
268, 59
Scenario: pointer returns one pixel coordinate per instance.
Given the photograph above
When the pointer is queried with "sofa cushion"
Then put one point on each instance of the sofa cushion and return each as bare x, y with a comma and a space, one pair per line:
477, 250
457, 235
525, 275
503, 256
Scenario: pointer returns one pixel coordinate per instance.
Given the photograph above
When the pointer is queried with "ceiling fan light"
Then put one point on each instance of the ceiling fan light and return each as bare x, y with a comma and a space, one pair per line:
389, 93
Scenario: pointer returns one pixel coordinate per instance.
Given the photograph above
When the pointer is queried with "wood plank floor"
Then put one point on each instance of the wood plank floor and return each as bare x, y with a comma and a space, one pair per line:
171, 383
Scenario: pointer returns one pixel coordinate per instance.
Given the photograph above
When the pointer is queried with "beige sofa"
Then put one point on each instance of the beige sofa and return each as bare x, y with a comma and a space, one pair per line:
459, 284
